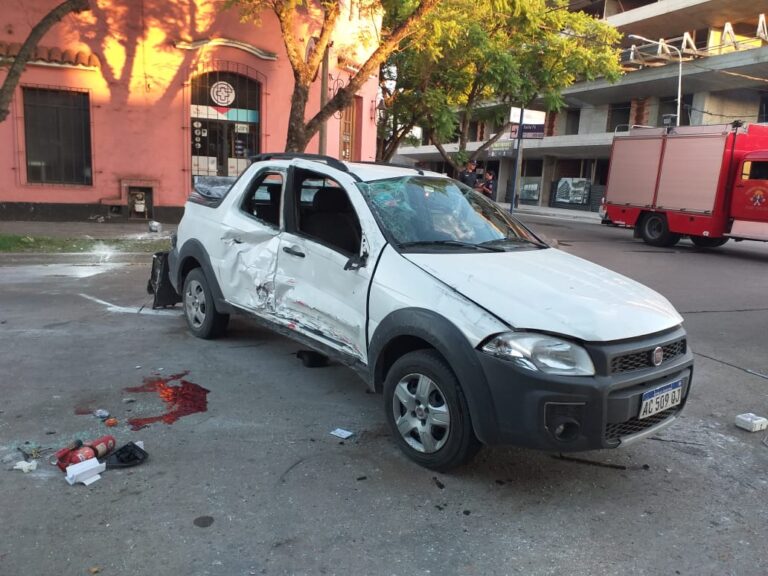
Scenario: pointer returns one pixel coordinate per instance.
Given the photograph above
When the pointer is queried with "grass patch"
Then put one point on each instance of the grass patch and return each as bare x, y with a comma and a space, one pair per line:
44, 244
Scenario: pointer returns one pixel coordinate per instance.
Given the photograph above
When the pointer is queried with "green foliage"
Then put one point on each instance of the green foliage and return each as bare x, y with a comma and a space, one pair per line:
511, 52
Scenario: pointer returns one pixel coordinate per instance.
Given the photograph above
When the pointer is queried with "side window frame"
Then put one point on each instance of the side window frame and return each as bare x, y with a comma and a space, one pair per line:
253, 186
292, 207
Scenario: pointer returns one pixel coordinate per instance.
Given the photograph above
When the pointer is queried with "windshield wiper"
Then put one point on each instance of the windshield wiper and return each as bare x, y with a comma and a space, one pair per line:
456, 243
513, 240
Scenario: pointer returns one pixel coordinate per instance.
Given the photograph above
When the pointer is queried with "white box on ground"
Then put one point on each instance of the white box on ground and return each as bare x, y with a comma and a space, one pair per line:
86, 472
751, 422
341, 433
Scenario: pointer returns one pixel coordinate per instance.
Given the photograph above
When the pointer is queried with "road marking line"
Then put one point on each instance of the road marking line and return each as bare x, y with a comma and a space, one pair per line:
127, 310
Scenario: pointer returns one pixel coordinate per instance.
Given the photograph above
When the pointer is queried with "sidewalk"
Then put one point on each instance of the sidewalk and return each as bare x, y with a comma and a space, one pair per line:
139, 230
556, 213
135, 230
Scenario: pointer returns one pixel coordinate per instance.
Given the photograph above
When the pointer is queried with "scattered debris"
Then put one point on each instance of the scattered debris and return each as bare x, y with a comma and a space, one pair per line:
111, 421
500, 482
25, 466
76, 452
86, 472
94, 569
126, 456
155, 226
129, 400
101, 413
359, 478
593, 463
438, 483
341, 433
138, 367
660, 439
751, 422
466, 512
312, 359
30, 450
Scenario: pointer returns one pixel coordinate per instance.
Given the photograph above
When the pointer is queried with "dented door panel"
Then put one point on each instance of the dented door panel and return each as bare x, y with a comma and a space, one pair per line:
247, 267
316, 296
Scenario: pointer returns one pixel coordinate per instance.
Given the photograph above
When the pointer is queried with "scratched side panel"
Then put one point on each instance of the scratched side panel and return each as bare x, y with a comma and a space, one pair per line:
316, 296
400, 284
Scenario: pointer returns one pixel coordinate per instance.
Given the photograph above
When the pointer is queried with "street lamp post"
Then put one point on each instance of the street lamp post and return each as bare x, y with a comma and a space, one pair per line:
679, 67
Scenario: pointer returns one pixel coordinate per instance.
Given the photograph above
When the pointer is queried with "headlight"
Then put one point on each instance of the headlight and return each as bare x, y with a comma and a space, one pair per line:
541, 353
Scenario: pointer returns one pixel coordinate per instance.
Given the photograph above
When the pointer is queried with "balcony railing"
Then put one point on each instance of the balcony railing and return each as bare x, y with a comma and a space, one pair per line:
641, 56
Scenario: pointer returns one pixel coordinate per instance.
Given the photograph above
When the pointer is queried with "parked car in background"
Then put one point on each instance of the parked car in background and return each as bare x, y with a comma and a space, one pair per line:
473, 328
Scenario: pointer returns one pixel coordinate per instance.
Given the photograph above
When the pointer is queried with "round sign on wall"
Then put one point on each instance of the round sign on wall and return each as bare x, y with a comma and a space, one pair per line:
222, 93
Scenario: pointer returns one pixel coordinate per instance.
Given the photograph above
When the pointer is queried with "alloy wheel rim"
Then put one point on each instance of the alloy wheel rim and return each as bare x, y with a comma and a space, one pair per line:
194, 304
421, 413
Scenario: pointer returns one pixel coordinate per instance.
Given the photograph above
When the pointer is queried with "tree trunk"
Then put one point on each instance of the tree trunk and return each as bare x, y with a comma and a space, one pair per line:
298, 137
28, 48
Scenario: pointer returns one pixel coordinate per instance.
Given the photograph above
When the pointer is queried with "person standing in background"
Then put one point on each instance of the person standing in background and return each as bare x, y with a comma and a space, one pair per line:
488, 186
468, 176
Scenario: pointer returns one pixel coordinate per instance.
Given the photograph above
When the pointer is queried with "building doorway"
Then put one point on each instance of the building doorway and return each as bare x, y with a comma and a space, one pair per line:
349, 138
225, 124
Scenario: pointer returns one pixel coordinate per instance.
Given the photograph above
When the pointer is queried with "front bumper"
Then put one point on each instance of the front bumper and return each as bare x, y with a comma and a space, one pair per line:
599, 411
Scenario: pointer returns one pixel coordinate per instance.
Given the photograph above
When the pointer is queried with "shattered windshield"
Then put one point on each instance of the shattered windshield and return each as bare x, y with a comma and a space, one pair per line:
426, 212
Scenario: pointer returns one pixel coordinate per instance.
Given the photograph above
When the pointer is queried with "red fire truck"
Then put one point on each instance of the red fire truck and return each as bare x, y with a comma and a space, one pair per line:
709, 183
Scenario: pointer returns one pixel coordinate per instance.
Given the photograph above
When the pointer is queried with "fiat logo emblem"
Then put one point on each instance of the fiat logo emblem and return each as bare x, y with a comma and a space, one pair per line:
658, 356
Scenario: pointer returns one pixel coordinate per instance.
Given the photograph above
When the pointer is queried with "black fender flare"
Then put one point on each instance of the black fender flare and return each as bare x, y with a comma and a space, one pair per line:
194, 250
445, 337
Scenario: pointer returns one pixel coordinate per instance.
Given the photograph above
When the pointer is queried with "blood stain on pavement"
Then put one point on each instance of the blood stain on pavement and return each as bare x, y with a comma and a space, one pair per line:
181, 400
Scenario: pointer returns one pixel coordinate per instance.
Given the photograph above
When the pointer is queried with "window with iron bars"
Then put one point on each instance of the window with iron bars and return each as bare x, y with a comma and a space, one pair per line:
57, 131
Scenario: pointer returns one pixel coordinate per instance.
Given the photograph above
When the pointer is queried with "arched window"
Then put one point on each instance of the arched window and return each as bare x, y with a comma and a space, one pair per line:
225, 122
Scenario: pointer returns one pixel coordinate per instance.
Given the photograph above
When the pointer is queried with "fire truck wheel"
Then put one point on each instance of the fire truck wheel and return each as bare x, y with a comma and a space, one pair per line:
706, 242
655, 231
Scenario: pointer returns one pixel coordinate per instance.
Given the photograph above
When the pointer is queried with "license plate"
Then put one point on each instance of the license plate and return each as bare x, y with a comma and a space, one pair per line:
661, 398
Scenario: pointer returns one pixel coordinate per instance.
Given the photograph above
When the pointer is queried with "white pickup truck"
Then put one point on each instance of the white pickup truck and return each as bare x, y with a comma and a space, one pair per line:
473, 328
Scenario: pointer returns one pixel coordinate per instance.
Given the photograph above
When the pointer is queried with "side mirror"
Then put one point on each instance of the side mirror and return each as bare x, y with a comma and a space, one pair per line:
357, 261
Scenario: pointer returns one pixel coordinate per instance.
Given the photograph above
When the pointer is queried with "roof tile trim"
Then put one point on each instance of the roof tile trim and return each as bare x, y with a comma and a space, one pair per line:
55, 55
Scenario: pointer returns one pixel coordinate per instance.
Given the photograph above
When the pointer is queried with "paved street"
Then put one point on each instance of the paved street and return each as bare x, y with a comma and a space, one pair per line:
251, 481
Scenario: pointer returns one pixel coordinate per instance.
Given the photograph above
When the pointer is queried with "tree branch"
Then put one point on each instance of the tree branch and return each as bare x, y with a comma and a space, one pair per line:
28, 48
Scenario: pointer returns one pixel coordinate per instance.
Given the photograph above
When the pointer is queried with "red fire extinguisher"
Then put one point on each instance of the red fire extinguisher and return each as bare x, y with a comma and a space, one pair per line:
76, 451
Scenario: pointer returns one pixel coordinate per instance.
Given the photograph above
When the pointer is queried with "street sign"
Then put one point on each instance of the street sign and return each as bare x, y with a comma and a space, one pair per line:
529, 131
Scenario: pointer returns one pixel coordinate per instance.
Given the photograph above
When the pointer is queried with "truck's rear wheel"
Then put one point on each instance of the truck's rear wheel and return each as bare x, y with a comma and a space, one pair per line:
707, 242
654, 230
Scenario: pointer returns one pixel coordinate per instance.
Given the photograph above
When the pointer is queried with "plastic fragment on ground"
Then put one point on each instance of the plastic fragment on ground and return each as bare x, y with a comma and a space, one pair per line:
129, 455
341, 433
25, 466
86, 472
751, 422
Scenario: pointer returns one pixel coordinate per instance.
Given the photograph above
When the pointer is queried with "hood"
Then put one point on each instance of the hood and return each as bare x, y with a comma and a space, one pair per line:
551, 291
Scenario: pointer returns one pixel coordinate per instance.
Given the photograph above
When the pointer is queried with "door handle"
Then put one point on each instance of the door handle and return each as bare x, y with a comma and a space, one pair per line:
293, 251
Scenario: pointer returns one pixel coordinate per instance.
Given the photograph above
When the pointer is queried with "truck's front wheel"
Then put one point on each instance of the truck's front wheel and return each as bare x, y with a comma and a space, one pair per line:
654, 230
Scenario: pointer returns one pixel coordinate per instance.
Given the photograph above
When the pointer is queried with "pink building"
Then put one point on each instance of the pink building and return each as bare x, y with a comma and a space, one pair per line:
122, 105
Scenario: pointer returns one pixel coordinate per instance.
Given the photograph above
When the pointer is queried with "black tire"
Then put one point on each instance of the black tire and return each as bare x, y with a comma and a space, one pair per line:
654, 230
423, 436
203, 320
707, 242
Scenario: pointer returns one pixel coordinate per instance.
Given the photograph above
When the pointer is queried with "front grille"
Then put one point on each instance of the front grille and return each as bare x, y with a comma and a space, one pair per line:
634, 425
643, 359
